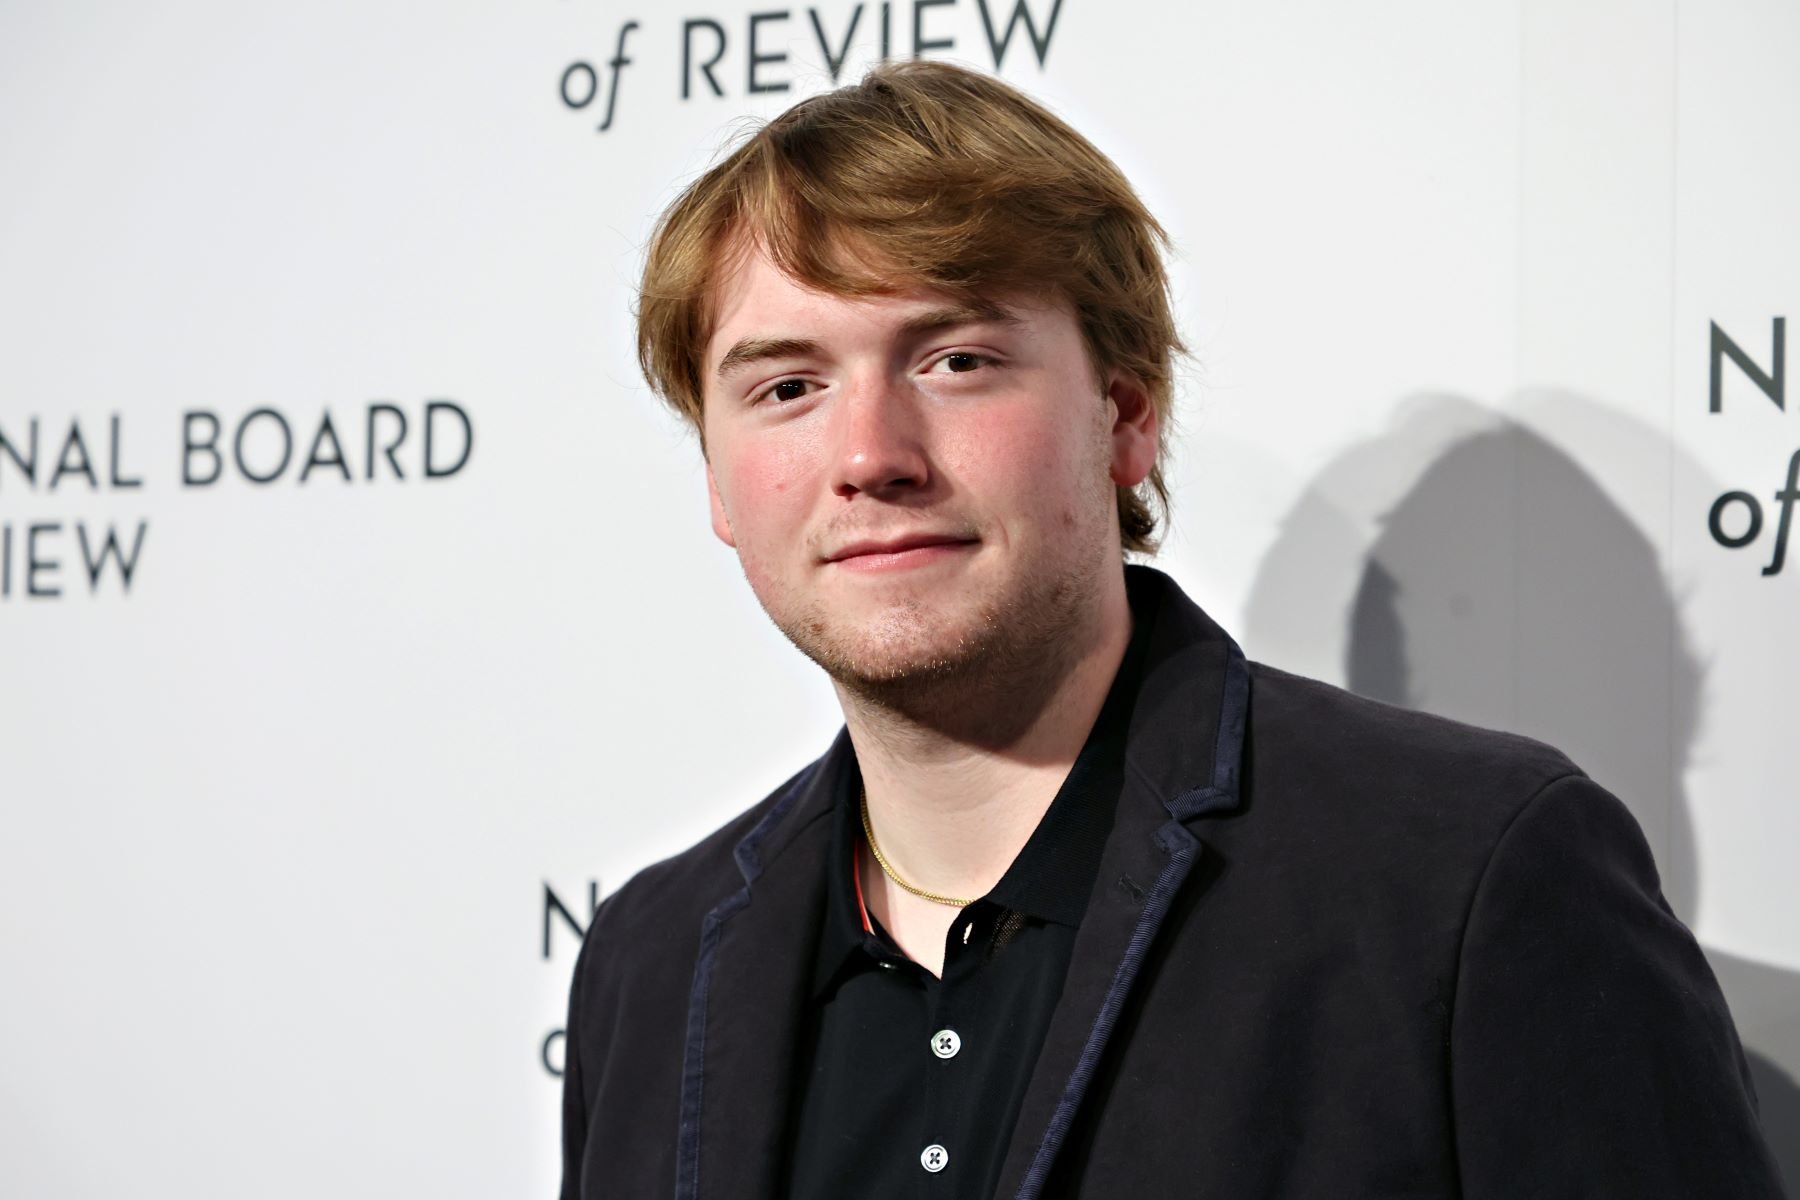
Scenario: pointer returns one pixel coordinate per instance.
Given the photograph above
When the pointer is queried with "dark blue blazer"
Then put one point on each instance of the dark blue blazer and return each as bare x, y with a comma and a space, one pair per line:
1335, 949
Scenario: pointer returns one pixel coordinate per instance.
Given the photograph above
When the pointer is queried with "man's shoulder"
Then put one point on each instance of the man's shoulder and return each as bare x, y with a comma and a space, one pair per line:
688, 884
1312, 735
1400, 813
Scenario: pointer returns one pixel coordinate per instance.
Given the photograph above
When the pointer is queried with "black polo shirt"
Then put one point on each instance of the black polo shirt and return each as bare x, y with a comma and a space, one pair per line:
908, 1085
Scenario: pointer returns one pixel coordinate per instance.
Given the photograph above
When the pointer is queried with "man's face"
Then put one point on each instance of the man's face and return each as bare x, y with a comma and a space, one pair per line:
916, 488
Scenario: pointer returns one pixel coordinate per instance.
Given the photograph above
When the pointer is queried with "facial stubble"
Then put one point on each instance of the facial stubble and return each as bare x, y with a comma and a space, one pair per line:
979, 675
982, 672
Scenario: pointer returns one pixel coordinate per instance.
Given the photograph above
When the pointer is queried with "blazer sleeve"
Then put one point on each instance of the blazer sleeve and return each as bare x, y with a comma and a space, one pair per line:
1591, 1052
578, 1084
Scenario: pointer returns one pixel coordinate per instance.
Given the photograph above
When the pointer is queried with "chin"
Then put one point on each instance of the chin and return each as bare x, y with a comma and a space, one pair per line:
933, 634
909, 643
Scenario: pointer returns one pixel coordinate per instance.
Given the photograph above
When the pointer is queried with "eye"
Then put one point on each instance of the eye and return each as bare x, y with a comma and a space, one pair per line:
960, 362
784, 390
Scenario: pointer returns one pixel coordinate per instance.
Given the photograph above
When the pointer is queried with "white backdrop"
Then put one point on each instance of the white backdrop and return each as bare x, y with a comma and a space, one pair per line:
284, 818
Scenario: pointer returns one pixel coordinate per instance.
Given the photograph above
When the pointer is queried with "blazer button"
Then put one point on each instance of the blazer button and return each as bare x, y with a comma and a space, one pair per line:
934, 1158
945, 1043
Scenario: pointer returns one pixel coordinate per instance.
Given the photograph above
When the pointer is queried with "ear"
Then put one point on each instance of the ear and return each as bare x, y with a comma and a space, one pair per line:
720, 522
1134, 429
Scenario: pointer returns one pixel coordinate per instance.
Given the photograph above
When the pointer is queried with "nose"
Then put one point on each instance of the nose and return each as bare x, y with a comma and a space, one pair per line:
878, 441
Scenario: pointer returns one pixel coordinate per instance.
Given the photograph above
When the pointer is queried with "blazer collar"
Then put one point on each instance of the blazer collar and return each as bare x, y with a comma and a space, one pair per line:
1184, 752
749, 993
750, 986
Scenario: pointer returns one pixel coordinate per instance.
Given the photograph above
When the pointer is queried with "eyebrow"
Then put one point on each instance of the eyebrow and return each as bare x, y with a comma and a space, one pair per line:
974, 312
749, 350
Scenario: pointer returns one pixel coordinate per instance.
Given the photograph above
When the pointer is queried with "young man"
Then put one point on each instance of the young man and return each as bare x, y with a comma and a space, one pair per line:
1080, 903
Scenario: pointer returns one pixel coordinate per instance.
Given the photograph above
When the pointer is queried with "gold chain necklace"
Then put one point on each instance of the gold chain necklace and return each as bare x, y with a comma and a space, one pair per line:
869, 832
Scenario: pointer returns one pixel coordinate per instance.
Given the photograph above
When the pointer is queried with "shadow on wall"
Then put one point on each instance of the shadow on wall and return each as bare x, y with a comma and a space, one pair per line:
1491, 579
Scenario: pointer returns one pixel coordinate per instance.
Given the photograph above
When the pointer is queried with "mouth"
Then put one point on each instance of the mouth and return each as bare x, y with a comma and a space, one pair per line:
913, 550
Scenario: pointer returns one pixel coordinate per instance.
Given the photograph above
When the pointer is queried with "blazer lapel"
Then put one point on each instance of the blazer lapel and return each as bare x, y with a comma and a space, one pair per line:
749, 990
1182, 761
749, 998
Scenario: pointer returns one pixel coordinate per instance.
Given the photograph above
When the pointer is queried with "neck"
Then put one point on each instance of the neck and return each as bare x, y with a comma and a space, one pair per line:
959, 774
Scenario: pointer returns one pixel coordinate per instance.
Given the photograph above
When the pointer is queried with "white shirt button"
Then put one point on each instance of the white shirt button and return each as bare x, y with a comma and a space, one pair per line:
945, 1043
934, 1158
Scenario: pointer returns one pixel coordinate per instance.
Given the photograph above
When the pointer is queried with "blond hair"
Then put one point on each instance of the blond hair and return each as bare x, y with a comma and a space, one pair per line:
924, 174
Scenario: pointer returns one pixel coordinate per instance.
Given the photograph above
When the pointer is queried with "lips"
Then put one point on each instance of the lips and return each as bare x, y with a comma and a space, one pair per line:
888, 547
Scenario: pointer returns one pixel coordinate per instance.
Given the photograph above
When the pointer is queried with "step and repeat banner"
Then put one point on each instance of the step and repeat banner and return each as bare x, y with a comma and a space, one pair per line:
361, 626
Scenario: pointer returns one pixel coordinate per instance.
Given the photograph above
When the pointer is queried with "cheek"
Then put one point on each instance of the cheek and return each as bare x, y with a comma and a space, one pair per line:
765, 492
1015, 458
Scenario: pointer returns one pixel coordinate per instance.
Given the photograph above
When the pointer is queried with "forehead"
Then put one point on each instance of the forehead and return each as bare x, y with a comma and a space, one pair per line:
753, 297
